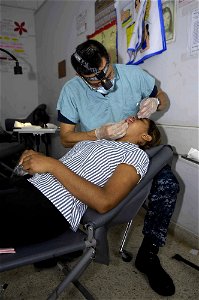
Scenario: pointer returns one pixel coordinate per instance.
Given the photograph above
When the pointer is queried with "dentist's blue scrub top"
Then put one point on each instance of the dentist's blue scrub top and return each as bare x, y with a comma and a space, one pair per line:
79, 104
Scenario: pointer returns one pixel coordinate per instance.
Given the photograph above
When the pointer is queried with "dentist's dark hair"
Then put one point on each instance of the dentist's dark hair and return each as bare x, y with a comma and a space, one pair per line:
91, 52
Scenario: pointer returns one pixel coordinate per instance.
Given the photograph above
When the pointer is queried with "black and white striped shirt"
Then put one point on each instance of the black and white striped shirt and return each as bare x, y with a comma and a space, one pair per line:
95, 161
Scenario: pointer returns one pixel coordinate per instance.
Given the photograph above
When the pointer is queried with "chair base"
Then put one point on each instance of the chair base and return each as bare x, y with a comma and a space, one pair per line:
66, 243
71, 276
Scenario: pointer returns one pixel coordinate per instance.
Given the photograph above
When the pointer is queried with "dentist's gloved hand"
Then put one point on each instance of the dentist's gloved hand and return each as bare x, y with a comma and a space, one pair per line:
147, 107
112, 131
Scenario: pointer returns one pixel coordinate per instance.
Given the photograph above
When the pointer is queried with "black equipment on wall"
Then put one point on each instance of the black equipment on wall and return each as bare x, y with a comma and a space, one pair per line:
17, 68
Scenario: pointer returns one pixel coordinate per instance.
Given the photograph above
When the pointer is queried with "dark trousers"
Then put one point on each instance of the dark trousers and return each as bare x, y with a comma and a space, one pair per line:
162, 201
26, 215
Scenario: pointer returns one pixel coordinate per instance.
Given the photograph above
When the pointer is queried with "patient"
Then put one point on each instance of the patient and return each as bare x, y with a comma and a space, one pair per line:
96, 174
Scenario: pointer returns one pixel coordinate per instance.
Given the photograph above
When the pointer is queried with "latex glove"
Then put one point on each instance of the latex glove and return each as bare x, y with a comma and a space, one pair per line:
147, 107
112, 131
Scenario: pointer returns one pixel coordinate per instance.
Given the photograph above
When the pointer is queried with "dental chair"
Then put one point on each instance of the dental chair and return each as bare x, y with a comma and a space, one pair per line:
9, 155
91, 237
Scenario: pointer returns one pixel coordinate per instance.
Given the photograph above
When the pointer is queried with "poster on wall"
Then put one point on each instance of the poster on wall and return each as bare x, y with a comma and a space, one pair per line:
169, 13
107, 36
105, 27
194, 39
184, 2
104, 13
140, 30
12, 35
81, 23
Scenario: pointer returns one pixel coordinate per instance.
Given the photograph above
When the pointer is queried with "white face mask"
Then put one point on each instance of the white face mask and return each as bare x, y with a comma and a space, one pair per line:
102, 90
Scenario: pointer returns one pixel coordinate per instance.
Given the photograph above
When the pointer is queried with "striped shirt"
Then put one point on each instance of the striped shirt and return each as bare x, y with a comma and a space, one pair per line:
95, 161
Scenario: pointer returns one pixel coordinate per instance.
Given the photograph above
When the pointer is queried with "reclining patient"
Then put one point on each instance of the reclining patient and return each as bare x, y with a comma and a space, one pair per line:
97, 174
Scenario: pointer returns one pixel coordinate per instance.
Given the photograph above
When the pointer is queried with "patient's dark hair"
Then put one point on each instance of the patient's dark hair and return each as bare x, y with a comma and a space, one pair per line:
92, 53
154, 132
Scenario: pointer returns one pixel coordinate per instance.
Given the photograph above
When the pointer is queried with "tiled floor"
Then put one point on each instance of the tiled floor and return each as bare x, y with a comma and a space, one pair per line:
119, 280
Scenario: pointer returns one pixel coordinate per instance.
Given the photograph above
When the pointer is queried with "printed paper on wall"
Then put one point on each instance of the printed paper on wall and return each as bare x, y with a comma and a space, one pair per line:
107, 36
140, 30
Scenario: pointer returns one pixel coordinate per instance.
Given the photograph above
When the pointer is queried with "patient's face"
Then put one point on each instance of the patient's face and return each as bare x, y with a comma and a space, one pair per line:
137, 126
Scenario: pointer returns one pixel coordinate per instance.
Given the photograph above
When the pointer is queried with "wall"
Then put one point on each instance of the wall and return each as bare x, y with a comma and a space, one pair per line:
56, 40
186, 213
19, 93
176, 70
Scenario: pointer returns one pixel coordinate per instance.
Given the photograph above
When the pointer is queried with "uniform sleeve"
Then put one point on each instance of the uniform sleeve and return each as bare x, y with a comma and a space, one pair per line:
66, 105
138, 159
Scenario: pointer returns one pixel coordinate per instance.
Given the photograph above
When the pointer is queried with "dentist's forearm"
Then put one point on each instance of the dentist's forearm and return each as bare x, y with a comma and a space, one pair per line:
164, 101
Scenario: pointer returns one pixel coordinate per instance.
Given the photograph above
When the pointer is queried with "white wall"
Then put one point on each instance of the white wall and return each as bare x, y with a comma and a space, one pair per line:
177, 72
19, 93
187, 210
57, 38
56, 41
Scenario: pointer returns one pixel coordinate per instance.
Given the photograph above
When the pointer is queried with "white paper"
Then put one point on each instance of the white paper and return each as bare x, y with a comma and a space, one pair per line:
193, 154
194, 31
81, 22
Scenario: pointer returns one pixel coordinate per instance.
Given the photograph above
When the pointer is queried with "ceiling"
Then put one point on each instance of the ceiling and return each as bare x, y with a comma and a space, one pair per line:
25, 4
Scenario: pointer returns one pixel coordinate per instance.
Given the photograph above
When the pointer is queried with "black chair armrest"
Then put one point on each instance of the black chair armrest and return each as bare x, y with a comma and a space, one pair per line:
8, 149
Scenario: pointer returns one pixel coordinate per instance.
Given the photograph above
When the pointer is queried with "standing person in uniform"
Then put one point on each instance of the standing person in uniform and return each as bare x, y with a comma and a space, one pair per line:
98, 99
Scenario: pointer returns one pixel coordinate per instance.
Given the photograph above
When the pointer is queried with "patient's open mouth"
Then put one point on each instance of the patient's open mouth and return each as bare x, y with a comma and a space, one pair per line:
131, 119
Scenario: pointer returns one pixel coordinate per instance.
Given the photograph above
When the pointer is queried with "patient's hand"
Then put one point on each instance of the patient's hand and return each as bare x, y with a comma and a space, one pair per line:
34, 162
25, 154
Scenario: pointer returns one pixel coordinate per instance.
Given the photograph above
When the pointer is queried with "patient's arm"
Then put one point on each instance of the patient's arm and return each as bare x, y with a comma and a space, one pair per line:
69, 137
102, 199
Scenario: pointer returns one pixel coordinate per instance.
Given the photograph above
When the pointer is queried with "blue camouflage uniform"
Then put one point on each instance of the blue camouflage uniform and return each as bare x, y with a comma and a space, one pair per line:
162, 200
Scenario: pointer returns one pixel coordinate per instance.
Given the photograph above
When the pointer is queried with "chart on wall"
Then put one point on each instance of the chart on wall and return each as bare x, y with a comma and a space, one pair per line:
105, 25
169, 13
107, 36
140, 30
104, 13
12, 38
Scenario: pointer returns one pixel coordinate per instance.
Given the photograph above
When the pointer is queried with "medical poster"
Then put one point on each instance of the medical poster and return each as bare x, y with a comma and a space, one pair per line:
104, 13
107, 36
169, 13
81, 22
12, 35
140, 30
184, 2
194, 31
